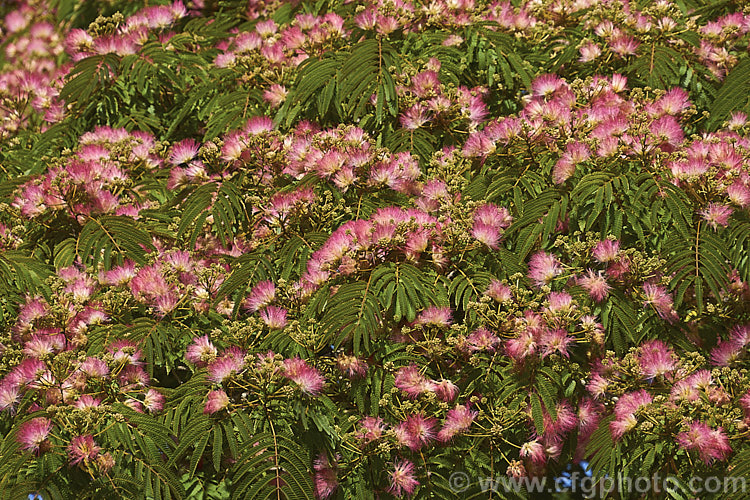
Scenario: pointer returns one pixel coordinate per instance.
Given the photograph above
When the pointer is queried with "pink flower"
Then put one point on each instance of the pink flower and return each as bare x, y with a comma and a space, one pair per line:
153, 401
606, 250
412, 382
555, 341
324, 478
217, 401
260, 296
416, 431
711, 444
183, 152
229, 364
274, 317
595, 284
543, 268
82, 448
655, 359
445, 390
661, 300
33, 434
310, 381
499, 291
201, 351
402, 479
625, 409
534, 451
716, 214
435, 316
125, 352
482, 339
458, 420
352, 366
371, 429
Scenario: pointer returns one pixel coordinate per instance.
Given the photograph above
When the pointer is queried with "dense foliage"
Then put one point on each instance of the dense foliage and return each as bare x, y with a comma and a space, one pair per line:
344, 250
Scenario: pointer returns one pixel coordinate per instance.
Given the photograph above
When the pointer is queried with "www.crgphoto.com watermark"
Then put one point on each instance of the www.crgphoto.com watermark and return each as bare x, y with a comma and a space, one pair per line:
591, 487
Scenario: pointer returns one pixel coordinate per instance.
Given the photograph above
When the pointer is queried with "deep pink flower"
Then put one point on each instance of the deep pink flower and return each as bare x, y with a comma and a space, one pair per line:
711, 444
352, 365
82, 449
371, 429
534, 451
656, 359
274, 317
445, 390
661, 300
482, 339
416, 431
412, 382
33, 434
309, 379
230, 363
260, 296
403, 481
325, 478
606, 250
595, 284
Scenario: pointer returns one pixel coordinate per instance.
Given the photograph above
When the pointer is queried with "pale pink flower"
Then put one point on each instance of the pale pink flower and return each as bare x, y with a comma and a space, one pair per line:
435, 316
534, 451
606, 250
543, 268
274, 317
217, 401
260, 296
201, 351
352, 365
716, 214
595, 283
371, 429
412, 382
458, 420
229, 364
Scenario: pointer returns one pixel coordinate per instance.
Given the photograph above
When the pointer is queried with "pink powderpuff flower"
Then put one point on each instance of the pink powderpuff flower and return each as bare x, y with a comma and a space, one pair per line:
94, 368
309, 379
711, 444
543, 268
183, 152
125, 352
458, 420
589, 51
435, 316
275, 95
606, 251
625, 409
716, 214
492, 215
595, 283
33, 434
201, 351
661, 300
352, 366
482, 339
274, 317
153, 401
9, 396
230, 363
260, 296
445, 390
403, 481
217, 401
87, 401
745, 404
656, 359
82, 449
555, 341
325, 478
416, 431
534, 451
409, 380
486, 234
521, 347
371, 429
499, 291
